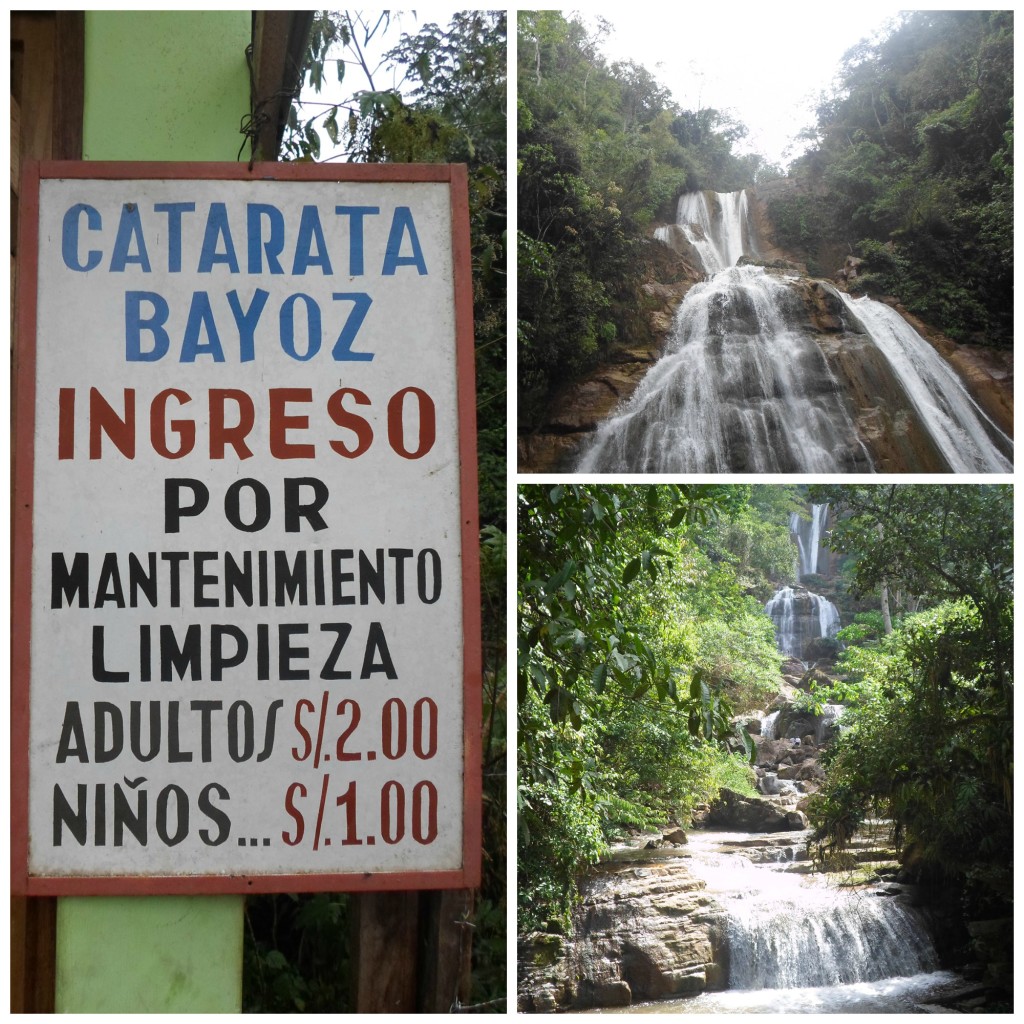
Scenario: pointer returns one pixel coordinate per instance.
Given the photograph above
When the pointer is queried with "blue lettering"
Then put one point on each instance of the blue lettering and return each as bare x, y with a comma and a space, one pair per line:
134, 325
246, 321
129, 228
288, 327
200, 315
70, 237
255, 212
355, 234
401, 223
174, 212
310, 230
342, 351
217, 229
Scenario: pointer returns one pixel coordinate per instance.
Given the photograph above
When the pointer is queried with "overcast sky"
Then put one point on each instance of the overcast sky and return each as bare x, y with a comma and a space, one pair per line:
765, 64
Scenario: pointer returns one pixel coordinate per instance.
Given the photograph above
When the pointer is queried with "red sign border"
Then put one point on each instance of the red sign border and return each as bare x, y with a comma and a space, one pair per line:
24, 884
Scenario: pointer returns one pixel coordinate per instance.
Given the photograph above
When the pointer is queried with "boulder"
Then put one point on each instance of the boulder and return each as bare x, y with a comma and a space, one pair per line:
737, 813
639, 934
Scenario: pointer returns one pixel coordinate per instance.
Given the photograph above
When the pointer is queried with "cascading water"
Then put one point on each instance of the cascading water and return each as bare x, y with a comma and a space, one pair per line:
800, 617
796, 944
971, 442
808, 533
741, 388
719, 233
745, 386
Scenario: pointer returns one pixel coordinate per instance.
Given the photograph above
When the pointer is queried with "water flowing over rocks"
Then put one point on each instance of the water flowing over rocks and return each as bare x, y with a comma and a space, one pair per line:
767, 370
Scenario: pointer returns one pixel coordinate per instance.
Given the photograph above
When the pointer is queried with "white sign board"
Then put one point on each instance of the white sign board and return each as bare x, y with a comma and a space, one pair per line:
252, 554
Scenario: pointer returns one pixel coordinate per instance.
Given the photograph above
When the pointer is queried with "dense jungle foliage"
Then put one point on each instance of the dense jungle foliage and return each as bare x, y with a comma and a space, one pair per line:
450, 109
602, 151
642, 634
639, 637
911, 167
928, 741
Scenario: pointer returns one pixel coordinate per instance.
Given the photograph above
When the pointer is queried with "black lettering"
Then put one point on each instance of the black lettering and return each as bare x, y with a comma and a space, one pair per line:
181, 814
175, 755
104, 712
135, 730
181, 659
286, 652
100, 672
71, 730
64, 814
205, 709
295, 511
428, 555
125, 816
67, 584
342, 630
218, 660
261, 500
268, 740
215, 814
375, 643
243, 751
174, 511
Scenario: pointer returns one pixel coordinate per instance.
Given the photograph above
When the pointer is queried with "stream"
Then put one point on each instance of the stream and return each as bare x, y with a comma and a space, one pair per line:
798, 943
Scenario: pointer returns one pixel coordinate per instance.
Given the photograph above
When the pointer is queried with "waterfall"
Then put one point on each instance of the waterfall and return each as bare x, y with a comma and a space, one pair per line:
796, 934
808, 533
800, 616
746, 384
720, 232
970, 441
828, 723
741, 387
800, 944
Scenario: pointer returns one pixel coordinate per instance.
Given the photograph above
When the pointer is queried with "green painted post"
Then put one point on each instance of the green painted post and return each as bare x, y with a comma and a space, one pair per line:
149, 954
162, 85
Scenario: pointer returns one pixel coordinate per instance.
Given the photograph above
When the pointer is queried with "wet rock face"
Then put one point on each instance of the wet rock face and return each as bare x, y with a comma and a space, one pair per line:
644, 931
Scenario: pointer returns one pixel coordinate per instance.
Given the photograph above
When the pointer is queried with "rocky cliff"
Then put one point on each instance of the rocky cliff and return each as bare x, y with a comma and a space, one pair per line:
895, 441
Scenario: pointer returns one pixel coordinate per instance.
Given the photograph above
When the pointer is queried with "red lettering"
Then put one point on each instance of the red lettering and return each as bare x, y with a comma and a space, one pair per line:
281, 423
185, 429
103, 420
350, 421
220, 435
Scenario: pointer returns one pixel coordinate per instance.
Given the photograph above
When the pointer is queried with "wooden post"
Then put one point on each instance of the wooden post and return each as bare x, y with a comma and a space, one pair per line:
385, 952
447, 950
412, 951
47, 89
33, 939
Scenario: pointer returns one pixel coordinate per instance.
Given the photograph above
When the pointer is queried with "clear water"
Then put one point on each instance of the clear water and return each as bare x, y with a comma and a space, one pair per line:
889, 995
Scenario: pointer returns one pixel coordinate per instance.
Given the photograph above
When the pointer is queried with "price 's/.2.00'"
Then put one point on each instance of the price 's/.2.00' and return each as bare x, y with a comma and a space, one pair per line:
397, 726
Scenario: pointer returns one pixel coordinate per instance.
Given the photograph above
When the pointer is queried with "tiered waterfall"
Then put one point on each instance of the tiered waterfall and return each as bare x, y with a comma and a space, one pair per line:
745, 384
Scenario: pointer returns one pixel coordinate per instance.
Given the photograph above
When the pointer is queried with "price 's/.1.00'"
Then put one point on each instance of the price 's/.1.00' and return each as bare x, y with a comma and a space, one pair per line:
401, 816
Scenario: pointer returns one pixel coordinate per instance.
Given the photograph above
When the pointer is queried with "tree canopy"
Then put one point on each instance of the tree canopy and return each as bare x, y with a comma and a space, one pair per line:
912, 166
602, 151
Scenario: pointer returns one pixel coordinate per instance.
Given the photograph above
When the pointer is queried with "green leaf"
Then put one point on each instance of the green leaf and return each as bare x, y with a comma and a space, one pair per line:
630, 572
331, 125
